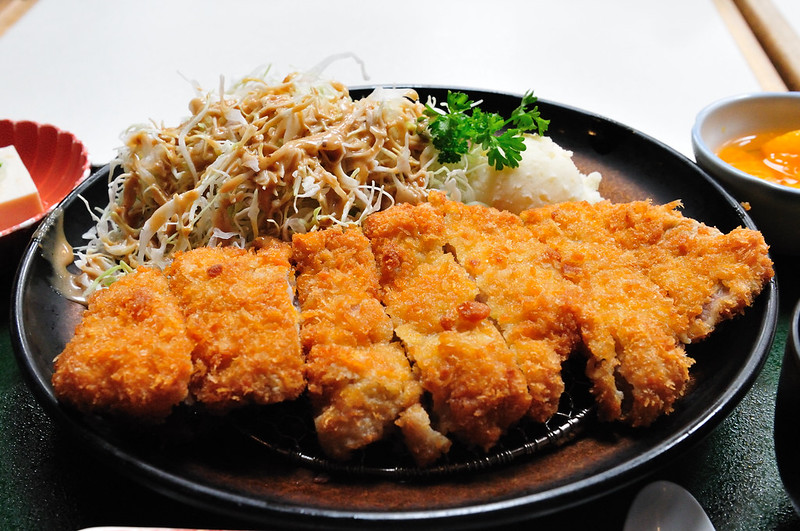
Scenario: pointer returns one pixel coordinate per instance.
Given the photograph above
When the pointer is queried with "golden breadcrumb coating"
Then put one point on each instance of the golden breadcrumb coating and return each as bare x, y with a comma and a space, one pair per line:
710, 276
130, 354
520, 280
436, 319
425, 443
650, 281
477, 388
357, 393
241, 316
337, 288
358, 381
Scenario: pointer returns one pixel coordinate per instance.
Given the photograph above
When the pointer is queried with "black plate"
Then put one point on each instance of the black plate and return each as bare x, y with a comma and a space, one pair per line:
208, 464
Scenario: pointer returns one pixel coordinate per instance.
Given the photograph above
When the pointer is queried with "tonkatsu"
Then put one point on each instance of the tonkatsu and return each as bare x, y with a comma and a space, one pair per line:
241, 317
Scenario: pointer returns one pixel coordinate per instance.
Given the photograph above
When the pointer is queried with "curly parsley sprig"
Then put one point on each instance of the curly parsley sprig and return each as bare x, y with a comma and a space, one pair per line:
463, 124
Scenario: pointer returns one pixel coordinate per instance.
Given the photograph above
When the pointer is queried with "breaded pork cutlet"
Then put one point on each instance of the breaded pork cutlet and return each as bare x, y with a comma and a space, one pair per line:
337, 288
359, 381
130, 354
477, 389
710, 276
520, 280
649, 280
241, 316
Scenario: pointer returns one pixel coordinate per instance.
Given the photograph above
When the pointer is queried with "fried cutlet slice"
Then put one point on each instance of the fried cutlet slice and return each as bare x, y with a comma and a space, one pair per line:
359, 381
646, 274
637, 366
709, 275
476, 387
130, 354
337, 288
712, 277
520, 280
357, 394
423, 442
241, 316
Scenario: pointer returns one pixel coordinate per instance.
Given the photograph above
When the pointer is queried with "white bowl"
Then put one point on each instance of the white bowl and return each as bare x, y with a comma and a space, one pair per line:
775, 208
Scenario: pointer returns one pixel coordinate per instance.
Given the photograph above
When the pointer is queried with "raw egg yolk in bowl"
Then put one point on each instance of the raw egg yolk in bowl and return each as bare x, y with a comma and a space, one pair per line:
773, 156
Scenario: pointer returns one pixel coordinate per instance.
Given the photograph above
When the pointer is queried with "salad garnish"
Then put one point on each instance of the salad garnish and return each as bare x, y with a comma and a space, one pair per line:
463, 124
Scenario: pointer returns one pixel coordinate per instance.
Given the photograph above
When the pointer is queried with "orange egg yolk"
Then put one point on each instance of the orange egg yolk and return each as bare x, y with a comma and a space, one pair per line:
773, 156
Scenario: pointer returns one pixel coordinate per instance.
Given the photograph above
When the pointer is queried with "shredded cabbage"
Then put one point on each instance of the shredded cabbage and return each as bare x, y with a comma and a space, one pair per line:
273, 158
261, 159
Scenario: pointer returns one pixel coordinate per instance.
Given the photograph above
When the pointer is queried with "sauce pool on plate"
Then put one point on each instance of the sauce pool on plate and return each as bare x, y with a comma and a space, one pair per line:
773, 156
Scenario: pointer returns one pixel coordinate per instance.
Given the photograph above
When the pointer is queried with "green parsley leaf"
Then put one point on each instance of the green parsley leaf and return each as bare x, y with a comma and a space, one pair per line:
463, 124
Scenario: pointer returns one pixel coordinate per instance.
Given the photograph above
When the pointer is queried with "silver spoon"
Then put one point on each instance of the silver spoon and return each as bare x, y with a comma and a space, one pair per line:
665, 506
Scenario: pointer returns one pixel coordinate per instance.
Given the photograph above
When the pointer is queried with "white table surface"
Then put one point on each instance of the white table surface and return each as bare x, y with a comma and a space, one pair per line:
95, 67
790, 9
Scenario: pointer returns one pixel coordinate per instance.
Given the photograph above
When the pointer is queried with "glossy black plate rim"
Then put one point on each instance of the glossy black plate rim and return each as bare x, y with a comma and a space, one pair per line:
537, 504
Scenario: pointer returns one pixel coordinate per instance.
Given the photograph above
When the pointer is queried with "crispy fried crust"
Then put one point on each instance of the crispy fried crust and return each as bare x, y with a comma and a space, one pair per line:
357, 393
358, 380
486, 304
521, 282
425, 443
710, 276
461, 359
420, 284
337, 289
241, 316
130, 354
650, 280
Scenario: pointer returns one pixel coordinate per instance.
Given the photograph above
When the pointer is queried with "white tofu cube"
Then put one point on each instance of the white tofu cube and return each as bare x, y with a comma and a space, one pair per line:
19, 198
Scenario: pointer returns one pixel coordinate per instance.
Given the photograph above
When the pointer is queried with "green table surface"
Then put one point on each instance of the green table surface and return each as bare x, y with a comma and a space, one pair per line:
47, 481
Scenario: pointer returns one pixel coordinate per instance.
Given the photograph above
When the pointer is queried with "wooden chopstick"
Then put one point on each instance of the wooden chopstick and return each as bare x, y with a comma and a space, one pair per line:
776, 36
11, 11
758, 61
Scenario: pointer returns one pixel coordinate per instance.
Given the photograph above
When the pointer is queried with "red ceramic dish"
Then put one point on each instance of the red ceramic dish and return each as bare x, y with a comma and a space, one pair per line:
56, 160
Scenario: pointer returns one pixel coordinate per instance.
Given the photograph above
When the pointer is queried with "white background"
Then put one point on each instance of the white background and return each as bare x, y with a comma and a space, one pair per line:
95, 67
